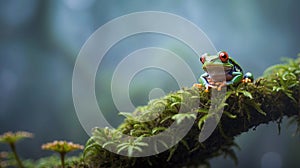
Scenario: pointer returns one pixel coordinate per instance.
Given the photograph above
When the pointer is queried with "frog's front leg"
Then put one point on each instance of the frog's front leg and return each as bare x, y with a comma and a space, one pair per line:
204, 81
238, 77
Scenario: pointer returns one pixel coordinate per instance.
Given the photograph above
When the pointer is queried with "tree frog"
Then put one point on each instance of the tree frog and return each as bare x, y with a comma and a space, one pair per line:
221, 70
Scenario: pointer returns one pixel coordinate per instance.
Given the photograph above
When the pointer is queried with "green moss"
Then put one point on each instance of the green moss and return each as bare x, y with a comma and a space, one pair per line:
269, 98
54, 161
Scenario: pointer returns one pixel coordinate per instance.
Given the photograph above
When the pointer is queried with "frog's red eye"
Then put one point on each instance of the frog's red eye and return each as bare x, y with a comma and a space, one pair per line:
202, 59
223, 56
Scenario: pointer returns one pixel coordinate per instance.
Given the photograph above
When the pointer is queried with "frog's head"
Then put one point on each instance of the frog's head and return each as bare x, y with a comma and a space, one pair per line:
217, 66
221, 60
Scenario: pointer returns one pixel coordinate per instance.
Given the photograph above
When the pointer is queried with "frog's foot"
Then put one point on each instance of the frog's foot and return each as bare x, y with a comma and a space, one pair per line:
197, 85
248, 78
206, 89
221, 85
209, 86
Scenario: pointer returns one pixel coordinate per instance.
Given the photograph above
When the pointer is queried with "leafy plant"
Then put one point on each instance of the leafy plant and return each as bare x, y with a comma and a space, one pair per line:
179, 118
132, 146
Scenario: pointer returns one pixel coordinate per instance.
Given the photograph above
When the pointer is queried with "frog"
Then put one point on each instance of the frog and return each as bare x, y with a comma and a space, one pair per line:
221, 70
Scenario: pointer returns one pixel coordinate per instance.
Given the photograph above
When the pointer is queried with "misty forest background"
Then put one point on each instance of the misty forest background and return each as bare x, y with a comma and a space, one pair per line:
40, 40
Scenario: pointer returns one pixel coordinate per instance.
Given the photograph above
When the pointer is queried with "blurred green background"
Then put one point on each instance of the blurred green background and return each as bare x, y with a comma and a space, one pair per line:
40, 40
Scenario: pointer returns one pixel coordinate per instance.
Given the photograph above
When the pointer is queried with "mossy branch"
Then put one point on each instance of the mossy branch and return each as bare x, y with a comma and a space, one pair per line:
246, 106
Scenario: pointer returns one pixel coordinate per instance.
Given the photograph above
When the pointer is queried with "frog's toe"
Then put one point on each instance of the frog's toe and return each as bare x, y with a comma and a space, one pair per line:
247, 80
248, 77
220, 87
211, 86
197, 85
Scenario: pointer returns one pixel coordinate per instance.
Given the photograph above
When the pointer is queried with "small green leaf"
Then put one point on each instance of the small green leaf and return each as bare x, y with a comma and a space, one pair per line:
165, 119
163, 143
90, 148
107, 143
182, 116
137, 148
202, 120
158, 129
257, 107
130, 150
141, 144
205, 111
126, 114
247, 94
175, 104
172, 151
185, 144
228, 114
122, 148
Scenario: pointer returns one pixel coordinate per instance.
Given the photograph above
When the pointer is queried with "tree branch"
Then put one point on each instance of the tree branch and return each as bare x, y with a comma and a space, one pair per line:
248, 105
